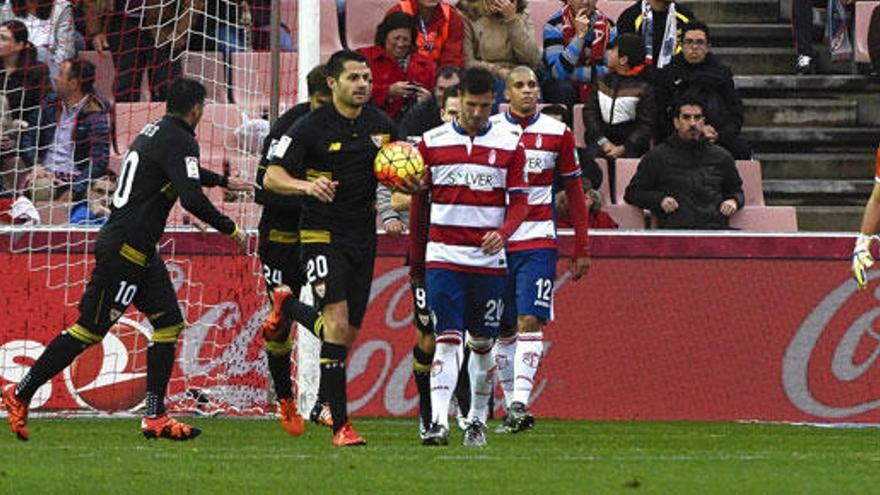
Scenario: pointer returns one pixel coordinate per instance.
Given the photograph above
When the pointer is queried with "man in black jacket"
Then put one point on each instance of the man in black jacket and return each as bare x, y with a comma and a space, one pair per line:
697, 72
687, 181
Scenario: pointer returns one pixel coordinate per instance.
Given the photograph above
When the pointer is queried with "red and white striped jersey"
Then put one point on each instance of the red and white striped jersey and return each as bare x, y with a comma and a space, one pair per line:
550, 149
469, 180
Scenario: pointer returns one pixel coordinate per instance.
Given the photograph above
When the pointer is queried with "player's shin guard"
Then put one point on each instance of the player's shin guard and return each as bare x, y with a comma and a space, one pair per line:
160, 362
480, 367
421, 365
529, 351
305, 315
278, 357
58, 355
505, 353
332, 385
444, 374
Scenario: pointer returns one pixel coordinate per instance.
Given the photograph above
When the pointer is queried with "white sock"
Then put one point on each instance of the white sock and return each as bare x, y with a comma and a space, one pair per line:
479, 369
529, 351
444, 376
505, 351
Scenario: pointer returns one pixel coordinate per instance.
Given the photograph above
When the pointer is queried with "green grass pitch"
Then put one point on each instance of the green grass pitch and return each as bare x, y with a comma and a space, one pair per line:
255, 456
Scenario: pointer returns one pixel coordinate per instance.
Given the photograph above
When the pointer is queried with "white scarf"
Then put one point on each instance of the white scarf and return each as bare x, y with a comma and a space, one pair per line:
667, 50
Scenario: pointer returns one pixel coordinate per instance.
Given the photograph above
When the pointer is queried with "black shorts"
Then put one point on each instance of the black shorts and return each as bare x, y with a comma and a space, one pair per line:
281, 262
118, 281
340, 273
421, 313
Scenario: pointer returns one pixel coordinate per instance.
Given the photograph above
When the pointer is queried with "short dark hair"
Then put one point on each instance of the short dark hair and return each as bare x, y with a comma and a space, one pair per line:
316, 81
84, 72
336, 64
556, 109
184, 95
446, 72
630, 46
396, 20
688, 98
477, 81
453, 91
696, 25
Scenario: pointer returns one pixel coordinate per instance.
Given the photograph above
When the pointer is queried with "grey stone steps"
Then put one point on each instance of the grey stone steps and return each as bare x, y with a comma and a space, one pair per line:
800, 112
749, 34
815, 139
768, 85
816, 165
736, 11
829, 218
818, 187
757, 60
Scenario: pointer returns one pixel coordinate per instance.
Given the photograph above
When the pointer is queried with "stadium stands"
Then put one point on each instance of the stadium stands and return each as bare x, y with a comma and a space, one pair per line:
863, 17
250, 77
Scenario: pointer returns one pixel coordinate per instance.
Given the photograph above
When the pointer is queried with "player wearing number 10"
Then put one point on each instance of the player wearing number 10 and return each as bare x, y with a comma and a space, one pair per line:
161, 165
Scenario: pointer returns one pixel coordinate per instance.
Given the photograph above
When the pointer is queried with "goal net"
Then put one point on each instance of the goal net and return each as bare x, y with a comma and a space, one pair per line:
56, 199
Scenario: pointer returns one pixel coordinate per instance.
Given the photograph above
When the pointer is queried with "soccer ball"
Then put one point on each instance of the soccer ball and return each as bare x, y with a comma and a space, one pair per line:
398, 160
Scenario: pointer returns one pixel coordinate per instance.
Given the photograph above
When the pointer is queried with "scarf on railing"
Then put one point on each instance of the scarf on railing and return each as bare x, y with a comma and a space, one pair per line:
667, 49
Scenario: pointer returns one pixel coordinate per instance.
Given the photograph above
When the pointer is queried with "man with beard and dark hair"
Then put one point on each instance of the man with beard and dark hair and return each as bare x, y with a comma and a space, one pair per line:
698, 72
687, 181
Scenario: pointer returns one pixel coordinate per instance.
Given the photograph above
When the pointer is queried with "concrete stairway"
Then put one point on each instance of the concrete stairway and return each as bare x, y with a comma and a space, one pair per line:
816, 136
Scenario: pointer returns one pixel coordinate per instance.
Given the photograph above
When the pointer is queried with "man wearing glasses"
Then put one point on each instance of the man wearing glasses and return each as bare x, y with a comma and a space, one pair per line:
696, 71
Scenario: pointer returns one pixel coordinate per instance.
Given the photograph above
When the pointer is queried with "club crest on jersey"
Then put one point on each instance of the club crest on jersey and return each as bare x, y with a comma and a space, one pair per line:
115, 314
492, 157
538, 141
424, 319
380, 139
320, 289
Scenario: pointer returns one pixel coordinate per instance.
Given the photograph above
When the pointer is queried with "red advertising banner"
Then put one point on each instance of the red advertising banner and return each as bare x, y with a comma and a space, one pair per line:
734, 337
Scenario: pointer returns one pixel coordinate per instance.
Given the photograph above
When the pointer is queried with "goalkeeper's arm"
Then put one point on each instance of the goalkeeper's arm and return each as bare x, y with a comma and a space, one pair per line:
862, 259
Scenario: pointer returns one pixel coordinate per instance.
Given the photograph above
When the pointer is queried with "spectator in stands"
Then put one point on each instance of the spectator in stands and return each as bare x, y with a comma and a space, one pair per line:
441, 30
402, 76
95, 208
575, 40
804, 35
599, 219
687, 181
50, 28
426, 115
499, 35
72, 138
25, 81
621, 113
142, 35
697, 71
660, 24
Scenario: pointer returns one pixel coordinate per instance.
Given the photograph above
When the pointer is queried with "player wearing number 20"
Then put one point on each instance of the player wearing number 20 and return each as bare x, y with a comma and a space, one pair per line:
161, 165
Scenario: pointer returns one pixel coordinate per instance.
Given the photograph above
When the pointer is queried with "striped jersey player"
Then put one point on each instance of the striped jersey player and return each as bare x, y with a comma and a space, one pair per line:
472, 168
532, 249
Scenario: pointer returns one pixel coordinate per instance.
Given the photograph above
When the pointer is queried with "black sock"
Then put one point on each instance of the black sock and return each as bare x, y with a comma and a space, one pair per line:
61, 352
160, 362
332, 385
463, 387
421, 365
279, 367
305, 315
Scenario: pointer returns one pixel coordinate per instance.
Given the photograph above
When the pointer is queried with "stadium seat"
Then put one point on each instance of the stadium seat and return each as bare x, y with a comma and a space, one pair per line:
613, 9
863, 19
54, 212
605, 188
625, 214
624, 169
251, 83
209, 69
540, 11
628, 217
578, 126
105, 73
753, 188
130, 118
216, 131
765, 219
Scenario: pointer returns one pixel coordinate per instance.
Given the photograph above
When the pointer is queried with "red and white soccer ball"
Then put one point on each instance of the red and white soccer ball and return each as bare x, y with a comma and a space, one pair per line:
397, 160
112, 376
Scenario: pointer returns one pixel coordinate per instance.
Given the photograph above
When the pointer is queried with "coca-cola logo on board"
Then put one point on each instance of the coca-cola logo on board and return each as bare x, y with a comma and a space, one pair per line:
854, 354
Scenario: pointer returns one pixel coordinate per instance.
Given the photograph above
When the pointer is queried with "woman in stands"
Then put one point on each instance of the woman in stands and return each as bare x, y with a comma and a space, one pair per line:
50, 28
24, 81
401, 75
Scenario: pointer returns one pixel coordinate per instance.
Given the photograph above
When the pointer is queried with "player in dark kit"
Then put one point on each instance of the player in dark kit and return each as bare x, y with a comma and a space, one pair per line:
333, 149
280, 250
161, 165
